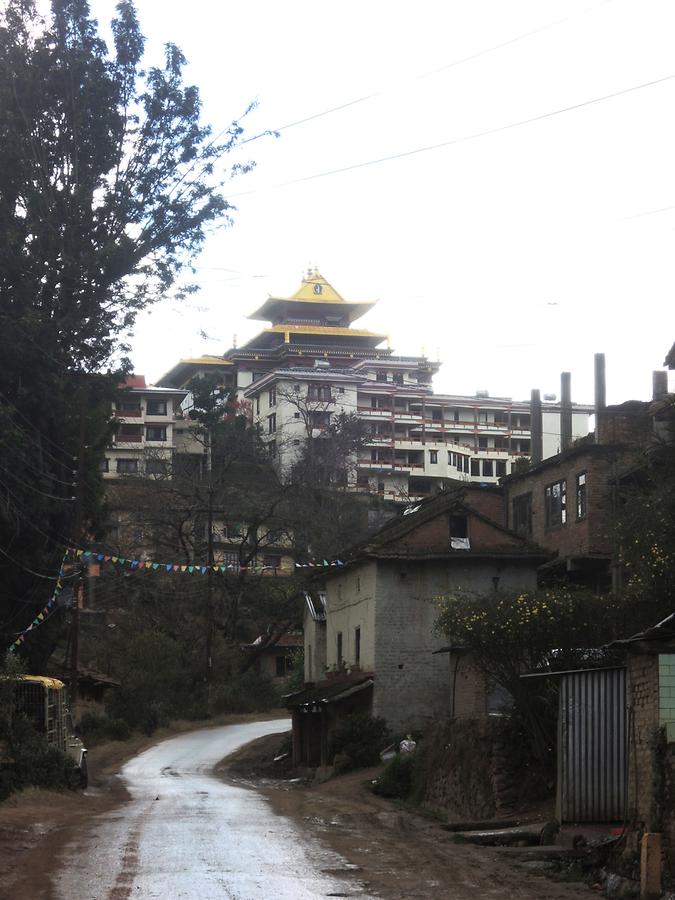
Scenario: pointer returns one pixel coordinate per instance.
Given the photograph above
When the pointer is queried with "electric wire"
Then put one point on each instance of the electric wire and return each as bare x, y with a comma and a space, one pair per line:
459, 140
44, 437
444, 68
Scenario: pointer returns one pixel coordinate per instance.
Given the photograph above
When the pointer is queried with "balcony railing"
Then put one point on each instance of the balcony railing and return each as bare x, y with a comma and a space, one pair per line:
128, 438
135, 413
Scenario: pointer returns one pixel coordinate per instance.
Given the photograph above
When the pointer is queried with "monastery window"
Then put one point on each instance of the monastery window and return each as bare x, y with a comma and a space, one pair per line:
381, 376
482, 443
582, 499
398, 377
433, 456
488, 468
475, 467
319, 392
500, 468
522, 515
555, 502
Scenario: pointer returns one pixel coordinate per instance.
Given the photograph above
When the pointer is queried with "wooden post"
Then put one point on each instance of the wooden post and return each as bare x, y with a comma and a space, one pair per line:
650, 867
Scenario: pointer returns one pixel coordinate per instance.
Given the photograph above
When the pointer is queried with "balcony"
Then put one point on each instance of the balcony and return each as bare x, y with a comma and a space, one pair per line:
133, 412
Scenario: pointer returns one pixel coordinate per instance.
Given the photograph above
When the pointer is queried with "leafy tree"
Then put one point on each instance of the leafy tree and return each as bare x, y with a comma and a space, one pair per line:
108, 182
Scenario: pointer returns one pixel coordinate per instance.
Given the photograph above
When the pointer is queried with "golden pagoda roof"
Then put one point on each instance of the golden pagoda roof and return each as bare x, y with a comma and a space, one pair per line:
333, 330
314, 289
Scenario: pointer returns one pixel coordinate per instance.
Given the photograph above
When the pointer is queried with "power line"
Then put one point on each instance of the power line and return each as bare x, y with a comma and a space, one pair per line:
31, 571
465, 138
444, 68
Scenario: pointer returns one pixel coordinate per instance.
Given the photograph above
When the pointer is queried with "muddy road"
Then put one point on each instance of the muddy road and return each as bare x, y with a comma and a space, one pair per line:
186, 834
172, 828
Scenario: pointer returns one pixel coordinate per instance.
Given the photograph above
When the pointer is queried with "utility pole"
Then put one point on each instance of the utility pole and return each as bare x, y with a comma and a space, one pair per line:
78, 591
209, 573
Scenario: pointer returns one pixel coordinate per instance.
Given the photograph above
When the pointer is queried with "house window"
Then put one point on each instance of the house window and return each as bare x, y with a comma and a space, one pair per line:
381, 376
272, 423
582, 501
340, 657
459, 527
127, 466
488, 468
357, 646
271, 561
104, 465
482, 443
129, 433
522, 515
475, 467
129, 408
230, 559
281, 662
257, 405
155, 467
232, 531
398, 377
272, 449
433, 456
155, 407
500, 468
272, 396
555, 502
380, 487
155, 432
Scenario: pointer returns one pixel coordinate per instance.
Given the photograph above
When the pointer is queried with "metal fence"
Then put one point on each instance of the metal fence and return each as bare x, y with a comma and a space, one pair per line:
592, 746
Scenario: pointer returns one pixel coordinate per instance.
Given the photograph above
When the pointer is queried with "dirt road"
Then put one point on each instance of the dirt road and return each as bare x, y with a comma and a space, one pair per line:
180, 832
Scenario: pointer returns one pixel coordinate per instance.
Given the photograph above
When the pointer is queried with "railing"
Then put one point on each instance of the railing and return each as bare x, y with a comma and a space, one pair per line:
128, 438
134, 413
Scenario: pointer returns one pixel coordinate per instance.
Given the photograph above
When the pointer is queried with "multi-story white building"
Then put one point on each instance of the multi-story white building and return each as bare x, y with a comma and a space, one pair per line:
309, 364
150, 428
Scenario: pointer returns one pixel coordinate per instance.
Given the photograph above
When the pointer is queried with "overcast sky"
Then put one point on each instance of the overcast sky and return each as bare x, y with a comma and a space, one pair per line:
510, 255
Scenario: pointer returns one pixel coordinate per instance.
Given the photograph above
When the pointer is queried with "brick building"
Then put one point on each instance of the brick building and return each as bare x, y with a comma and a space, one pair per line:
651, 756
381, 609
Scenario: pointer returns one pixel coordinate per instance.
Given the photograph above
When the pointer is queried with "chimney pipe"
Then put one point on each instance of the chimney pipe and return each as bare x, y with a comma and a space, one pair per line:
600, 392
659, 385
565, 410
536, 429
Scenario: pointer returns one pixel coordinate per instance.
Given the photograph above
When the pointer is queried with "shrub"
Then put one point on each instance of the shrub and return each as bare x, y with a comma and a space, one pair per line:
396, 779
358, 739
249, 692
96, 727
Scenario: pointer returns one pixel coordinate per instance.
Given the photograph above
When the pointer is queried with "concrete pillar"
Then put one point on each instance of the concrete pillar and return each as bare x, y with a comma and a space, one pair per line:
659, 385
536, 429
650, 867
600, 392
565, 410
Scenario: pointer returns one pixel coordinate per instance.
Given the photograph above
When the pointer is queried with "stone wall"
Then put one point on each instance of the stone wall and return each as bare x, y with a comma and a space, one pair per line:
465, 772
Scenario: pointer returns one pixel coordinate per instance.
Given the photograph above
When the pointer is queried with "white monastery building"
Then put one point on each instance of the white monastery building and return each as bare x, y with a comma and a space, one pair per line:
310, 364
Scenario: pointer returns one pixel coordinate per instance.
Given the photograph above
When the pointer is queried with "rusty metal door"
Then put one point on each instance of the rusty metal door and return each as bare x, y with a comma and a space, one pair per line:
592, 746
